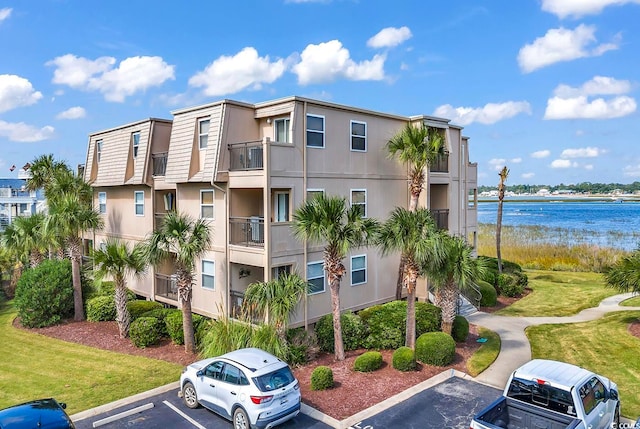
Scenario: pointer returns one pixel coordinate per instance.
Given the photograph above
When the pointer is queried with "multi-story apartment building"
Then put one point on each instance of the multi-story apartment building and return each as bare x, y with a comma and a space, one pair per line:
245, 168
16, 200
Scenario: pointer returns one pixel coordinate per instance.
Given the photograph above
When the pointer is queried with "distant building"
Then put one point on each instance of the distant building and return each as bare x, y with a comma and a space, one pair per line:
16, 200
543, 192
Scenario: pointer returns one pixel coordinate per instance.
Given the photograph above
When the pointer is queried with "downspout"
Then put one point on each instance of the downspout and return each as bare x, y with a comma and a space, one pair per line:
227, 306
305, 255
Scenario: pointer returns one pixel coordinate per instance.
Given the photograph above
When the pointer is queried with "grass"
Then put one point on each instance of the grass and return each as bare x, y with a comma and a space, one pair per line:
486, 354
559, 294
631, 302
603, 346
33, 366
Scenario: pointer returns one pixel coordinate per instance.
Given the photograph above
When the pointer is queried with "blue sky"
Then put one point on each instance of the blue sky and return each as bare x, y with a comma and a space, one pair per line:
546, 87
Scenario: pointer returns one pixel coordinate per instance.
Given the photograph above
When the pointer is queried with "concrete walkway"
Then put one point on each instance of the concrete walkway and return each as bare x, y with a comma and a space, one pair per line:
515, 349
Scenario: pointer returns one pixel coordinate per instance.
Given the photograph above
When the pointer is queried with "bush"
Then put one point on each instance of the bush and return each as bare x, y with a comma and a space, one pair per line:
352, 332
44, 294
321, 378
303, 346
368, 361
108, 288
404, 359
140, 306
101, 309
489, 294
435, 348
460, 329
160, 314
509, 286
144, 331
514, 270
173, 323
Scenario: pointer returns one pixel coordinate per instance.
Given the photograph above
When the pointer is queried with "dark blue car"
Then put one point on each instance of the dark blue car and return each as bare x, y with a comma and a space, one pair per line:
40, 414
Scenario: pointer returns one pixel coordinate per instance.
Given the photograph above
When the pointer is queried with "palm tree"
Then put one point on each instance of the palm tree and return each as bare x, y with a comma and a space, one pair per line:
413, 234
504, 173
187, 240
117, 261
275, 300
624, 275
457, 270
44, 171
418, 148
328, 220
25, 237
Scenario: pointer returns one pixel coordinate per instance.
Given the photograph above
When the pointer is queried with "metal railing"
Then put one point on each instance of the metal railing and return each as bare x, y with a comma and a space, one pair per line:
159, 163
441, 164
236, 298
246, 156
472, 294
441, 217
167, 286
247, 231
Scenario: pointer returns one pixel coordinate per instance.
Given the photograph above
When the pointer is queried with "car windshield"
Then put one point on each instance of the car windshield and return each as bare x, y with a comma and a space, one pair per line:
543, 395
274, 380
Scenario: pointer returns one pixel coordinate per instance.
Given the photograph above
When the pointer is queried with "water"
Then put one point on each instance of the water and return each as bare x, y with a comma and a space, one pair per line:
605, 223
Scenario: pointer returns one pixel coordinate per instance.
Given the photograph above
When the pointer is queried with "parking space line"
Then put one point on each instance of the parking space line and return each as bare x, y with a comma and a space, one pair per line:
122, 415
186, 417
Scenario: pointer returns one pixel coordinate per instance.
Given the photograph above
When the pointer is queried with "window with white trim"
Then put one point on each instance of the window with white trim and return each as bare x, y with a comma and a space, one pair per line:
359, 199
358, 136
98, 149
281, 206
315, 131
135, 141
358, 270
277, 272
208, 274
314, 193
102, 202
315, 277
206, 204
281, 130
203, 133
138, 199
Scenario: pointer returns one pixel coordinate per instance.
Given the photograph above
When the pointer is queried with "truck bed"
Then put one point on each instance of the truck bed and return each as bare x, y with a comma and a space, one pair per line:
507, 413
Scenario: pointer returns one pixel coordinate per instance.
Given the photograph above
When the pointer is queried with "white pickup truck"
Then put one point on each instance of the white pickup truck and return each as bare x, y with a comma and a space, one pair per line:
545, 394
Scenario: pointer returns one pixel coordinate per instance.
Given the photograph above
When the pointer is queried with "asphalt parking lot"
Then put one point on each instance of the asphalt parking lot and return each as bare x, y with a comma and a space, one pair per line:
450, 404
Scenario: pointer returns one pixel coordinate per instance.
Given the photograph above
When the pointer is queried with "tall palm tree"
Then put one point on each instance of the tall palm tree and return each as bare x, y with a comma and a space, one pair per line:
187, 240
276, 300
328, 220
413, 234
418, 148
44, 171
457, 270
25, 237
504, 173
117, 261
624, 275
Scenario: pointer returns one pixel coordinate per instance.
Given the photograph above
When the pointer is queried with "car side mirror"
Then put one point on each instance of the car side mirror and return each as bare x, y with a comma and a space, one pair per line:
63, 405
200, 373
613, 394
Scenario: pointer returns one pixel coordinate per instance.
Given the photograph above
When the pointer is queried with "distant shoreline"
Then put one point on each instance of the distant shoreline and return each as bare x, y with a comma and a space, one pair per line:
563, 198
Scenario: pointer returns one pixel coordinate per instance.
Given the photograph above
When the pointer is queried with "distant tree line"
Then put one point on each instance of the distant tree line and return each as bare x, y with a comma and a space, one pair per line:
580, 188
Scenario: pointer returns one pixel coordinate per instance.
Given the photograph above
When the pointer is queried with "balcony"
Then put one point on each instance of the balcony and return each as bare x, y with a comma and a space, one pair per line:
441, 217
159, 163
167, 286
247, 231
441, 164
246, 156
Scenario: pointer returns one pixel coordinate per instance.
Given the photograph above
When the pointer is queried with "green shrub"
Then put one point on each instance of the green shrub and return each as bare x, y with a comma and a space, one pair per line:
489, 294
223, 335
491, 275
303, 346
435, 348
368, 361
44, 294
173, 323
460, 329
352, 331
266, 337
144, 331
428, 318
108, 288
101, 309
160, 314
404, 359
508, 285
140, 306
321, 378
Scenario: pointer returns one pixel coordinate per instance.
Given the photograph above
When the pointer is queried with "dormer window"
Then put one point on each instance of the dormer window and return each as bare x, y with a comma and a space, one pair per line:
98, 149
281, 130
203, 133
135, 140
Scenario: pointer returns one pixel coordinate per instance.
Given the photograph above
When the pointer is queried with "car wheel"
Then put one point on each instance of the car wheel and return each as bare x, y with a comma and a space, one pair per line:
190, 396
240, 419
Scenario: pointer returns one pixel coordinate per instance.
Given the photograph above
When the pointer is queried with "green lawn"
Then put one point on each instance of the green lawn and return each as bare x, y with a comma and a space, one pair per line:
559, 293
604, 346
631, 302
34, 366
486, 354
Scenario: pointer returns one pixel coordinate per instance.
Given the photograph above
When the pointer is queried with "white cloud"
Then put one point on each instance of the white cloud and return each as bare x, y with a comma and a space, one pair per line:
489, 114
585, 152
582, 108
21, 132
132, 75
404, 66
541, 154
328, 61
527, 175
578, 8
516, 160
563, 163
579, 133
72, 113
228, 75
16, 91
599, 85
588, 167
561, 44
632, 170
5, 13
389, 37
497, 163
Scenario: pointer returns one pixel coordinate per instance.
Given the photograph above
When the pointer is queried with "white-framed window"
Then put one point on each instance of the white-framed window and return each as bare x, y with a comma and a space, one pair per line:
281, 206
315, 131
98, 149
358, 270
206, 204
313, 193
277, 272
208, 274
359, 199
135, 141
281, 129
203, 133
102, 202
358, 136
315, 277
138, 200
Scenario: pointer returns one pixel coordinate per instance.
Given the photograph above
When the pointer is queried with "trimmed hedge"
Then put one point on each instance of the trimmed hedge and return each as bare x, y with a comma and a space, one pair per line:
489, 294
404, 359
144, 331
368, 361
108, 288
173, 323
321, 378
352, 332
435, 348
160, 314
140, 306
101, 309
460, 329
508, 285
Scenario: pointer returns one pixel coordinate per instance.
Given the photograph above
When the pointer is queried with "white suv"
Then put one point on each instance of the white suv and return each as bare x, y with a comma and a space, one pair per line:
250, 387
